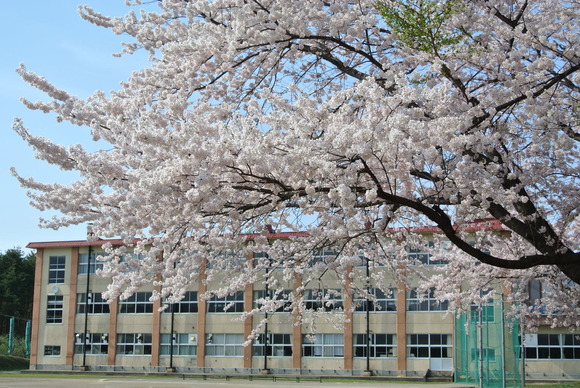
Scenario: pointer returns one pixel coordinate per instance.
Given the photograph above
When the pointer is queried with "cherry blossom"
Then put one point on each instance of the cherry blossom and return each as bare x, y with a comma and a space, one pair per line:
328, 118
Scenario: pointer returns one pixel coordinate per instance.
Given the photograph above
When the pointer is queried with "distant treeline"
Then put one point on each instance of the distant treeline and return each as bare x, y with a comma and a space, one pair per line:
16, 288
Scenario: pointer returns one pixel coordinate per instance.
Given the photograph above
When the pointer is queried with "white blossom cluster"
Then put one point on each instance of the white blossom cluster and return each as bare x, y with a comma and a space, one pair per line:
319, 116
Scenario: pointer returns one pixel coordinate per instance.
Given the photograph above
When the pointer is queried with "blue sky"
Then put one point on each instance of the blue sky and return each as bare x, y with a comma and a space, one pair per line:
52, 40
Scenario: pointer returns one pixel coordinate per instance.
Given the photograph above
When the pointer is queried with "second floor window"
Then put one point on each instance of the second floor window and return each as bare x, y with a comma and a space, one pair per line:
233, 303
96, 303
84, 263
138, 303
323, 299
382, 303
186, 305
428, 302
54, 305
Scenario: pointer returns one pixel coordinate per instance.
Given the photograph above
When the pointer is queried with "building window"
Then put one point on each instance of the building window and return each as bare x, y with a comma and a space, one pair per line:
382, 303
187, 305
281, 297
429, 346
422, 302
381, 345
278, 345
233, 303
323, 345
138, 303
423, 256
84, 263
323, 299
52, 350
134, 344
96, 305
183, 344
324, 255
56, 268
553, 346
224, 345
97, 343
54, 306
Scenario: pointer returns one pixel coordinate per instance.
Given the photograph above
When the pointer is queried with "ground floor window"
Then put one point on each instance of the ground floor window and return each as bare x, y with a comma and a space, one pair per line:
97, 343
276, 345
429, 346
552, 346
134, 344
183, 344
224, 345
52, 350
380, 345
323, 345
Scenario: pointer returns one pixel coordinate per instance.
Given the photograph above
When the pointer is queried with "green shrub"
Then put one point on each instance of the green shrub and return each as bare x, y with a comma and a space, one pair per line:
19, 346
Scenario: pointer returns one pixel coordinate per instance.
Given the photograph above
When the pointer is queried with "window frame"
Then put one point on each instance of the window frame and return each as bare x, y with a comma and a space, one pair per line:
184, 344
138, 303
550, 346
431, 343
376, 349
387, 303
52, 352
224, 345
54, 308
96, 302
234, 302
416, 303
314, 299
83, 264
284, 296
141, 341
97, 344
186, 305
56, 269
323, 345
277, 343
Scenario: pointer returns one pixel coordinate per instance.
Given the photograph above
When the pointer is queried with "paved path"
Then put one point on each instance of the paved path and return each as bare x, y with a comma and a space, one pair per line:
173, 382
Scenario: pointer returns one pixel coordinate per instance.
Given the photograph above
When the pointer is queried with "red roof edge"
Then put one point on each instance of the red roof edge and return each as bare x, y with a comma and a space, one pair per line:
483, 224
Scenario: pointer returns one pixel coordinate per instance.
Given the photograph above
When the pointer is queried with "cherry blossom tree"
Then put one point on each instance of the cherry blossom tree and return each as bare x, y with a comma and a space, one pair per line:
354, 121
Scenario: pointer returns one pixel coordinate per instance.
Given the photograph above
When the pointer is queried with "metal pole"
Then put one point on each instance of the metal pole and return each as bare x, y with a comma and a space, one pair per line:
367, 308
27, 337
11, 336
266, 343
84, 366
523, 352
172, 337
480, 323
503, 345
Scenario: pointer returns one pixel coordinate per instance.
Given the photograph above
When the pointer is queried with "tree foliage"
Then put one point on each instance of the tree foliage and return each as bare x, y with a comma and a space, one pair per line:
16, 285
355, 121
